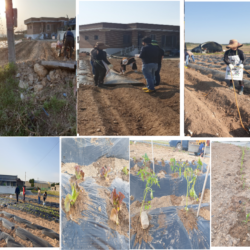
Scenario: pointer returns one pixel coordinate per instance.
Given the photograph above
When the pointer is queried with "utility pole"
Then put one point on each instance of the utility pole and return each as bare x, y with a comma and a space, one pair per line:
10, 31
25, 176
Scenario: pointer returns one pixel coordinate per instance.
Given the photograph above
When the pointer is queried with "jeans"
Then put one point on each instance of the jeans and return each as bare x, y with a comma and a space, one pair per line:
100, 73
157, 75
38, 199
92, 65
148, 71
17, 197
187, 60
193, 58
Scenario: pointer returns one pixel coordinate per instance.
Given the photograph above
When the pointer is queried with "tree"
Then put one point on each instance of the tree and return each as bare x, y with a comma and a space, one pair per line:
53, 184
31, 181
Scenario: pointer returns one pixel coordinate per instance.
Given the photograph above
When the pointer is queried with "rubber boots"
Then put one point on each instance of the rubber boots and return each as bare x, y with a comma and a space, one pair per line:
241, 90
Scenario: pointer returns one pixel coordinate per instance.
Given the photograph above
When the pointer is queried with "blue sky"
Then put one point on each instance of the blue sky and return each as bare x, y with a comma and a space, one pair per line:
39, 8
217, 21
20, 154
156, 12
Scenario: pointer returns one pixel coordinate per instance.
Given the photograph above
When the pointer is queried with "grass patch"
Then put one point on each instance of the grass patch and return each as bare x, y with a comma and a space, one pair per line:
54, 104
57, 193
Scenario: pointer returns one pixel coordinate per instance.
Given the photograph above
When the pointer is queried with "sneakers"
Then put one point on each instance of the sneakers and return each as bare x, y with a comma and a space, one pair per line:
149, 91
241, 90
144, 88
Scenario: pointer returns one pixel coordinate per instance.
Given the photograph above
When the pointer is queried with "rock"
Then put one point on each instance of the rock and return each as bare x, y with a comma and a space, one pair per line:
55, 75
52, 85
23, 85
115, 122
18, 75
48, 77
100, 209
31, 78
40, 70
144, 220
98, 130
38, 88
44, 81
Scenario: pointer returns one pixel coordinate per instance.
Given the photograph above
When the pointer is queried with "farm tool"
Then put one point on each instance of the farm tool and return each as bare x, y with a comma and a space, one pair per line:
247, 129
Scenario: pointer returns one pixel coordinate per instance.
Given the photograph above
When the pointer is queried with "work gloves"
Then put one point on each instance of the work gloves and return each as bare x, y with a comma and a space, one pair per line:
231, 66
241, 66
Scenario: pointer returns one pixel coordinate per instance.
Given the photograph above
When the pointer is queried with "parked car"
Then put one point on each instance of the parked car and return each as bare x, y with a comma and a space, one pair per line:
177, 144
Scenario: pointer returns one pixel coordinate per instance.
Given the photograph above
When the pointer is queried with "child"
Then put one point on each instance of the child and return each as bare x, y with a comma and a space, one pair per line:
44, 197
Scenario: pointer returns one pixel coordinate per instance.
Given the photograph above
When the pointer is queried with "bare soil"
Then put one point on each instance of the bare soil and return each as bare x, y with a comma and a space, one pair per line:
141, 234
128, 110
188, 219
29, 50
210, 108
169, 201
230, 196
39, 221
162, 152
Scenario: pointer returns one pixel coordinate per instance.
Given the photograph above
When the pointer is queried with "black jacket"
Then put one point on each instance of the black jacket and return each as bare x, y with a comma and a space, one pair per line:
99, 55
17, 191
233, 53
149, 54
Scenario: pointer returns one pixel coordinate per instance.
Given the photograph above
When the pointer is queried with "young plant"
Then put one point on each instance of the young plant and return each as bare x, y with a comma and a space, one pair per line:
191, 178
162, 162
145, 158
247, 218
177, 166
199, 164
104, 171
134, 158
71, 198
125, 170
116, 200
151, 180
79, 173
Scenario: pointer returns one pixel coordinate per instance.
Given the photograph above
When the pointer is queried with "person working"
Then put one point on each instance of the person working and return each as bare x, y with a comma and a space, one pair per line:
188, 55
23, 193
99, 57
149, 56
39, 195
201, 150
125, 62
17, 192
68, 41
159, 61
235, 58
44, 197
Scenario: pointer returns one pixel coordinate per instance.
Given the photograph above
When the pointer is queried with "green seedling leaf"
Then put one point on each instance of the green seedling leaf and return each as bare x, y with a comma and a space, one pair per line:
125, 170
67, 203
104, 171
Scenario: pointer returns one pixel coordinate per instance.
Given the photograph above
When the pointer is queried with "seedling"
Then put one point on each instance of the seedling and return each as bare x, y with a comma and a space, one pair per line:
162, 162
71, 198
104, 171
199, 164
125, 170
151, 179
191, 178
79, 173
178, 166
145, 158
134, 158
247, 218
116, 200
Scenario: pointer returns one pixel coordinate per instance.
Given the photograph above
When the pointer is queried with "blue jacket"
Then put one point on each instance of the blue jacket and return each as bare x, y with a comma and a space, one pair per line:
69, 33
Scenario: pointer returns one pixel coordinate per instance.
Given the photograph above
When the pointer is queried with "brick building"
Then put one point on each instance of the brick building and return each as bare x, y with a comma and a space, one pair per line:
119, 36
44, 27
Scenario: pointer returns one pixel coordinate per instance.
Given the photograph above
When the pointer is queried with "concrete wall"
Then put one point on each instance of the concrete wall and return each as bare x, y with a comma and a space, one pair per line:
7, 190
32, 36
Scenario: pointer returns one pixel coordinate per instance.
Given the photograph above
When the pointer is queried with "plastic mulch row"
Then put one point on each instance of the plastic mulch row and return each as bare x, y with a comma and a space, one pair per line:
92, 230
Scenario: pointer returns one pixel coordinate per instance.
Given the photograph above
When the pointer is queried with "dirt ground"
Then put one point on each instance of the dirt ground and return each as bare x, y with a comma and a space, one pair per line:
29, 50
161, 152
230, 195
128, 110
33, 219
210, 109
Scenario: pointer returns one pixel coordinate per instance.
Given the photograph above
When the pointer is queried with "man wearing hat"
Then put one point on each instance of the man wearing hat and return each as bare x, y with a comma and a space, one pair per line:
149, 56
99, 57
160, 57
68, 41
234, 58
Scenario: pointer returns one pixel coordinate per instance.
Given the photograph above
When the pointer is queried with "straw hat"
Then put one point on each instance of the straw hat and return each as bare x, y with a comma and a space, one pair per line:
234, 44
100, 45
